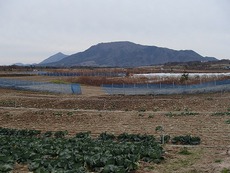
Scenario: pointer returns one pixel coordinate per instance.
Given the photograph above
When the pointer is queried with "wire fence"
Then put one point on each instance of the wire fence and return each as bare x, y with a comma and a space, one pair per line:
40, 86
71, 74
116, 89
160, 88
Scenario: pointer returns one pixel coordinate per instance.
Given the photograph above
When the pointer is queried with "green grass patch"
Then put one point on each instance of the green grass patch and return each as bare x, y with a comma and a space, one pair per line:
181, 162
59, 82
142, 110
185, 113
58, 113
69, 113
151, 116
7, 103
184, 151
220, 114
218, 161
225, 170
227, 121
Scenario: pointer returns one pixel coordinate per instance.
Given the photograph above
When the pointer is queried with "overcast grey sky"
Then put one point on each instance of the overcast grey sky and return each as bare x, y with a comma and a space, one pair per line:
32, 30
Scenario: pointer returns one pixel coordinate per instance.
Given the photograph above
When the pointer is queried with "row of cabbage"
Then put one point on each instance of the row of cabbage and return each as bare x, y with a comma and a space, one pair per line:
54, 152
77, 154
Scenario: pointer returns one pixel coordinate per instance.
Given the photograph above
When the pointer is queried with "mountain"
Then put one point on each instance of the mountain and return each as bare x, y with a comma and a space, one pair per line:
19, 64
57, 57
127, 54
23, 65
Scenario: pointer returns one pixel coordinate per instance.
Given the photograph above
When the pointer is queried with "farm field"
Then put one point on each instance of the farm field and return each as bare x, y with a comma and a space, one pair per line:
203, 115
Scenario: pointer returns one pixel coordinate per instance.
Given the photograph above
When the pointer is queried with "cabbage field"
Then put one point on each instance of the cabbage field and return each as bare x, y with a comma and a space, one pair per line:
51, 152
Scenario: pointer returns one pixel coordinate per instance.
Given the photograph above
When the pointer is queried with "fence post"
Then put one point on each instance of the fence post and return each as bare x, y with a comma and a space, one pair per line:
162, 133
71, 85
123, 88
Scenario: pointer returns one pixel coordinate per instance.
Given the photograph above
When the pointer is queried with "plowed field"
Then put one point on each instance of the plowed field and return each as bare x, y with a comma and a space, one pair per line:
95, 112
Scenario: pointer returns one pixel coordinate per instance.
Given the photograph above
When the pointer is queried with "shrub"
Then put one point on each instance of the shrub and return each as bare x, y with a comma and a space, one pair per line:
186, 140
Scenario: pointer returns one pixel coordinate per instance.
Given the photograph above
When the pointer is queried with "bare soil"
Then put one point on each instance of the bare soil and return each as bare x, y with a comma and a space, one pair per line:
96, 112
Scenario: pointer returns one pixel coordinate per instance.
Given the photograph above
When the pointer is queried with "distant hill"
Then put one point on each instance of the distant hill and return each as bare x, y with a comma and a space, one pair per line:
57, 57
22, 65
127, 54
